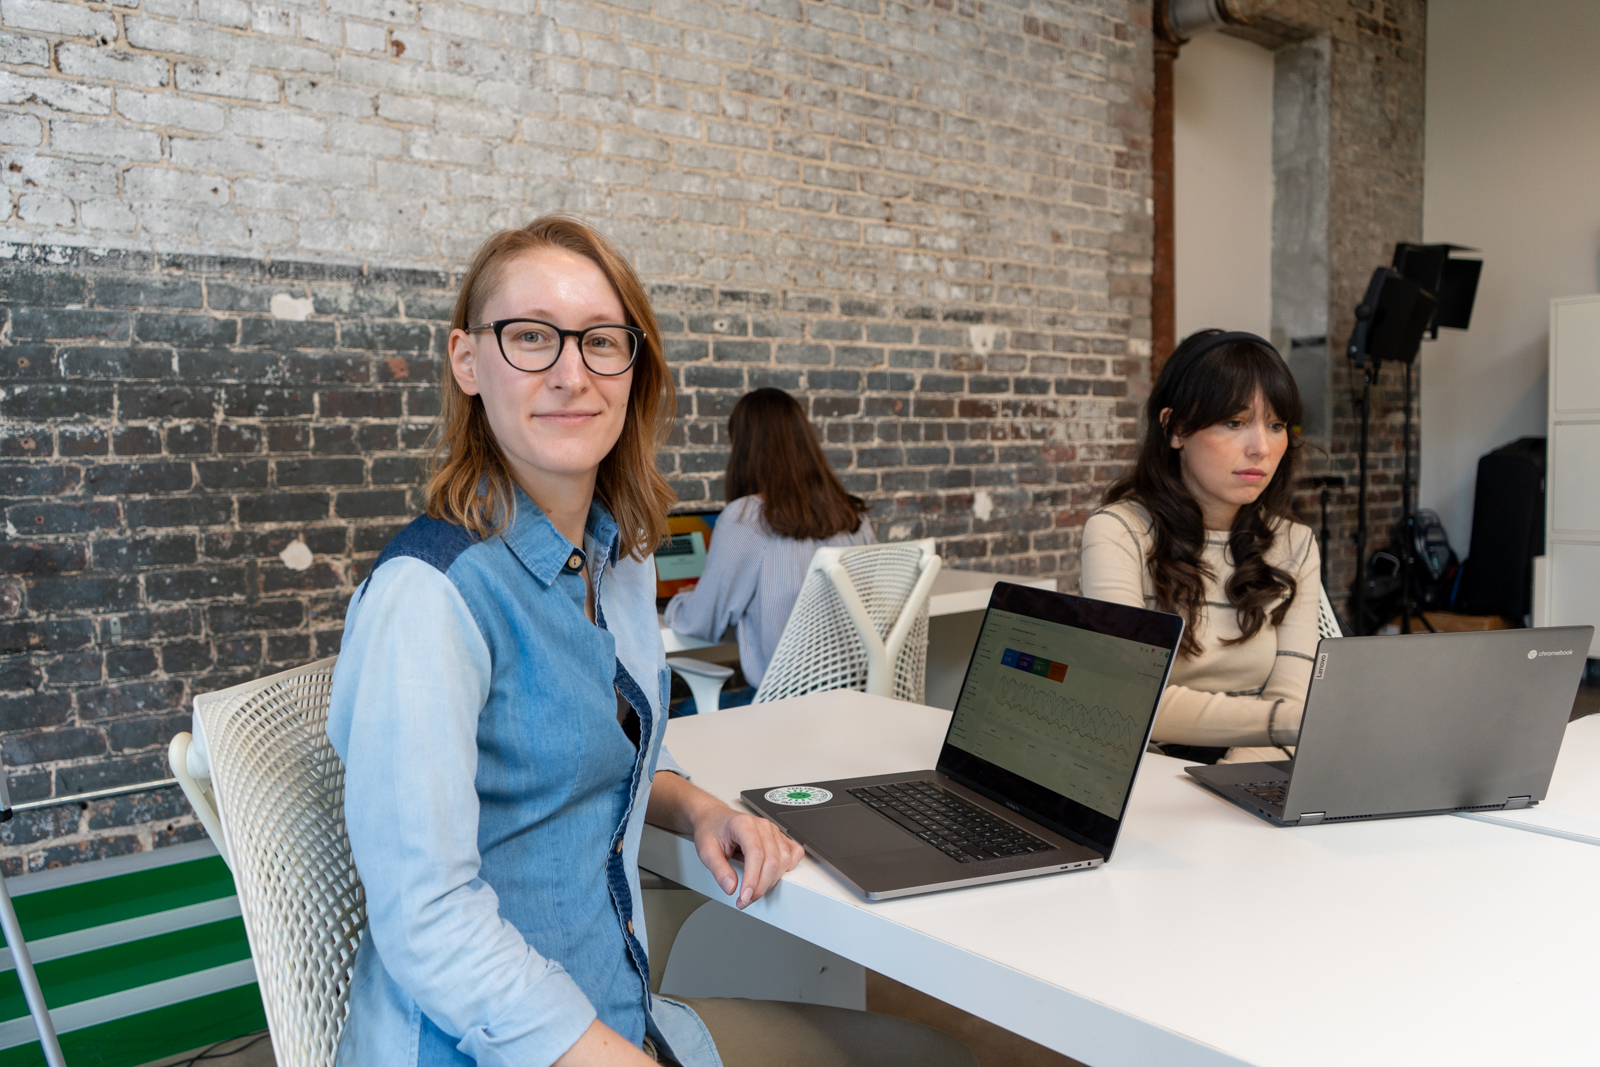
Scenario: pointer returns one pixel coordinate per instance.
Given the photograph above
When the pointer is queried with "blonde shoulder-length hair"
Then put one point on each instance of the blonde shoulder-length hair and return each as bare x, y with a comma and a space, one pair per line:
469, 480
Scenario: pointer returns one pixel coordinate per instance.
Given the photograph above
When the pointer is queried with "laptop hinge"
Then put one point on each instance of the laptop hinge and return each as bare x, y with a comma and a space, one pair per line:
1513, 803
1310, 818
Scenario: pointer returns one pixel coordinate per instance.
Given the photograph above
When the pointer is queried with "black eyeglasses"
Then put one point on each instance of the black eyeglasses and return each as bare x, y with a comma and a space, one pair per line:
534, 345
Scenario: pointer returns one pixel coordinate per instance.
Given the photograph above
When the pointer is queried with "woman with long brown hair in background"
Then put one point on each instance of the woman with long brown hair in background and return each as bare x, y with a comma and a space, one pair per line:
784, 502
1202, 528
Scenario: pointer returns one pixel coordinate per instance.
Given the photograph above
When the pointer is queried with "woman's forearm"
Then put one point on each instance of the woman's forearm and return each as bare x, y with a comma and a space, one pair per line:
1195, 717
721, 835
677, 804
601, 1046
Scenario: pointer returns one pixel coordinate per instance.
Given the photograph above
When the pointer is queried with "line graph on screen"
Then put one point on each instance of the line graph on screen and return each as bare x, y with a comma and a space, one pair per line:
1033, 708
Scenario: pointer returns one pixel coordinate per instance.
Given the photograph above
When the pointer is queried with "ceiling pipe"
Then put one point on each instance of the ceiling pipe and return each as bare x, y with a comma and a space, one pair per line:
1185, 18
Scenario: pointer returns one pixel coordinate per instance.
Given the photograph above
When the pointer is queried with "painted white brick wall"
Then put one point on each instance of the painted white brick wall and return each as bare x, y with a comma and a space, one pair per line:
933, 150
928, 218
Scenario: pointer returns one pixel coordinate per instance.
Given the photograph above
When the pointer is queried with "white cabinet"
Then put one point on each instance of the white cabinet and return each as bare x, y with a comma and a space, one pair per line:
1571, 574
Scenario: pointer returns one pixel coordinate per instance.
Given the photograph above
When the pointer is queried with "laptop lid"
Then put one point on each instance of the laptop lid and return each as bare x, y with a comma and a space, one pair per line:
1434, 722
1057, 707
681, 556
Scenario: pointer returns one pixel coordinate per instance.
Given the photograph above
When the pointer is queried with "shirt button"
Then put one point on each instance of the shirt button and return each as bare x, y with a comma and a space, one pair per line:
630, 927
619, 848
575, 562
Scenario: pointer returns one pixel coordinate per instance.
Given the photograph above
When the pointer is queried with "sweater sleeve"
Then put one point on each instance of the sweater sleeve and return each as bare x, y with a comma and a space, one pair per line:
1112, 562
728, 583
1193, 717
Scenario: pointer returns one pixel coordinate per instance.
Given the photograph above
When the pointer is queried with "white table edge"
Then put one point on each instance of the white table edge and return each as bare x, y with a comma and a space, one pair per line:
1087, 1030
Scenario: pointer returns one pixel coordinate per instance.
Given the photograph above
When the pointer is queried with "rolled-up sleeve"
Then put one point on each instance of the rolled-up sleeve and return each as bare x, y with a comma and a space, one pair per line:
412, 678
665, 762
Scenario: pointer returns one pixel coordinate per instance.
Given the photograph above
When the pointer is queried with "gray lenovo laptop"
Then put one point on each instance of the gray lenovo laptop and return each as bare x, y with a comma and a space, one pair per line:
1036, 766
1419, 725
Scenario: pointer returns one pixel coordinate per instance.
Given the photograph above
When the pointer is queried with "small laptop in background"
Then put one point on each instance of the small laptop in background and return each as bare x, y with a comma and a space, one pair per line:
681, 557
1036, 767
1423, 724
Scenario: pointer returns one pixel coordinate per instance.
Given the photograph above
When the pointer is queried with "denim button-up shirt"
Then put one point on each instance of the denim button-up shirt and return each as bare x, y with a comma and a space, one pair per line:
493, 801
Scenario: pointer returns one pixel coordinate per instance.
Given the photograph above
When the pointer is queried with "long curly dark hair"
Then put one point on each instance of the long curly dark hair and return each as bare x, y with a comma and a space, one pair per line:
1220, 384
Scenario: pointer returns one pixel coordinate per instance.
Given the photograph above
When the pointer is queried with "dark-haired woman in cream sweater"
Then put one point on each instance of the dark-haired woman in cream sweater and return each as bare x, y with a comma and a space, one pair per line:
1202, 528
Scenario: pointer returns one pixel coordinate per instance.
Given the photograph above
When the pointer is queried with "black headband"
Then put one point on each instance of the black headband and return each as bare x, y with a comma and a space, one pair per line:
1182, 360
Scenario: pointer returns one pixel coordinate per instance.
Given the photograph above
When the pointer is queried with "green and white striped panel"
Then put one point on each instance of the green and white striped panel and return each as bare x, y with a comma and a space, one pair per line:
140, 957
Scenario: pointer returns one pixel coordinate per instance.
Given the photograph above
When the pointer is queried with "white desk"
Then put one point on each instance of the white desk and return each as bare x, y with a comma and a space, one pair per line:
955, 611
677, 642
1211, 937
1572, 807
958, 592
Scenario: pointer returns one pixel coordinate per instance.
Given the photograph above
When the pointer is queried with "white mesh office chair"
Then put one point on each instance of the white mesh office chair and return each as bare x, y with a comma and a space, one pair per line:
269, 789
860, 622
1327, 621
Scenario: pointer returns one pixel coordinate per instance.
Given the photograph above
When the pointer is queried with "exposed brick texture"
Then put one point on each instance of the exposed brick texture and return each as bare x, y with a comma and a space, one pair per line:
927, 218
164, 440
1375, 142
1374, 200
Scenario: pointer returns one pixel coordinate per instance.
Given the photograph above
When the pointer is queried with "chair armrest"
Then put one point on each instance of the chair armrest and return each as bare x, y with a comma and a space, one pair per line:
688, 665
185, 757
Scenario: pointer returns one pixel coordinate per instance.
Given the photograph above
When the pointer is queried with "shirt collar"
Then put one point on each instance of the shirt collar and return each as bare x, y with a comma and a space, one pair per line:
534, 540
602, 532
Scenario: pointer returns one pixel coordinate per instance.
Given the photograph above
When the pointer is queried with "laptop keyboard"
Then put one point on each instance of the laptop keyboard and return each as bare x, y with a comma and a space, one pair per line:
958, 828
1272, 792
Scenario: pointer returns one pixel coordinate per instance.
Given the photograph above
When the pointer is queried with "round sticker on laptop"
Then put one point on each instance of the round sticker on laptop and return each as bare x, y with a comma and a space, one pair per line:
798, 796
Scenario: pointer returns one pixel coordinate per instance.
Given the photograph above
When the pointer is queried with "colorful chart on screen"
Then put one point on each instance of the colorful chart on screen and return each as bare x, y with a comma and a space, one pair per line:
1062, 707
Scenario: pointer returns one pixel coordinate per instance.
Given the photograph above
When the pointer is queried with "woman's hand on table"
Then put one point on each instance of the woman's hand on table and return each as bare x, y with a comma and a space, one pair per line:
722, 834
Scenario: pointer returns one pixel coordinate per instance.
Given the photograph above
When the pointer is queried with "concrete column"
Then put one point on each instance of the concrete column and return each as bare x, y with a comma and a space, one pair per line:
1300, 223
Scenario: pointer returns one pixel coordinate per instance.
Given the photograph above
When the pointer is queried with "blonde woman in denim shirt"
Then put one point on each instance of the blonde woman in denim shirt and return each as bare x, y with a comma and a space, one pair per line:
499, 706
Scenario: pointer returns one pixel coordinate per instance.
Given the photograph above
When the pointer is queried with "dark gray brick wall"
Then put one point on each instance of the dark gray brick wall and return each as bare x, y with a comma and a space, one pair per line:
165, 439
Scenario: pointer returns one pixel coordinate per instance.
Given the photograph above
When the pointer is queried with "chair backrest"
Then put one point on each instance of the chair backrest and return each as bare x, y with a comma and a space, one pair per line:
1327, 621
279, 790
860, 622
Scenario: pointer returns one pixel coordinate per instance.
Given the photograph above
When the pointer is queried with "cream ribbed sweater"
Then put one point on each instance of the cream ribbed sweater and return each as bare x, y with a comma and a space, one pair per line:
1228, 694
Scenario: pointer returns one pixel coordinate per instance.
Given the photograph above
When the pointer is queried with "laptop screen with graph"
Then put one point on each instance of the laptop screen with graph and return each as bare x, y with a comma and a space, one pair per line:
1061, 695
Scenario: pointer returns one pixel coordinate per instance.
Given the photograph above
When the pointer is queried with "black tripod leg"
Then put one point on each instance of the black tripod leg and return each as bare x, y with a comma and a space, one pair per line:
1360, 597
1324, 537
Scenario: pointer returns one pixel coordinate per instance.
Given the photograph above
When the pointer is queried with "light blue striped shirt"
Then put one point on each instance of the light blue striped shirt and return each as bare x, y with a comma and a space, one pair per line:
752, 579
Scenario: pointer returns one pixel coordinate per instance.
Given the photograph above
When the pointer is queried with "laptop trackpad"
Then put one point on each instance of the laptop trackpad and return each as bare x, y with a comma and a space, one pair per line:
852, 830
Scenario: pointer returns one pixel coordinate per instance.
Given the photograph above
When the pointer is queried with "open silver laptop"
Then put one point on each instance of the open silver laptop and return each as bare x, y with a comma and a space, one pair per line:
1419, 725
1037, 763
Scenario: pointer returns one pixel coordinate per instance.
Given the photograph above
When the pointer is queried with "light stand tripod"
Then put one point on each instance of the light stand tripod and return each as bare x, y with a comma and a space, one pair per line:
1444, 291
1369, 372
1408, 528
1327, 483
1389, 325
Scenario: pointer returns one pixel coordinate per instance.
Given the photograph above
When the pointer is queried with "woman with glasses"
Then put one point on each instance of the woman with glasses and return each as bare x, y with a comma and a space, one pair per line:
499, 704
785, 503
